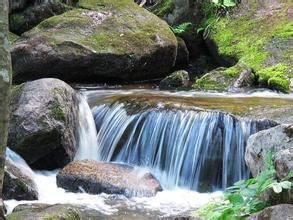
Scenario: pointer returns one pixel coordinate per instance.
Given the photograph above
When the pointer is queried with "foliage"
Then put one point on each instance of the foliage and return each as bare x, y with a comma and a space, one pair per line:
180, 28
243, 198
212, 10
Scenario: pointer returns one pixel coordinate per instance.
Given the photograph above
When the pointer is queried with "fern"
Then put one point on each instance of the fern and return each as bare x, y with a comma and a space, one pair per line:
180, 28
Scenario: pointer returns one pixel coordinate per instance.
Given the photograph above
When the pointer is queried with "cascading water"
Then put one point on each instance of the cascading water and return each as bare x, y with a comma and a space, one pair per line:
87, 133
199, 150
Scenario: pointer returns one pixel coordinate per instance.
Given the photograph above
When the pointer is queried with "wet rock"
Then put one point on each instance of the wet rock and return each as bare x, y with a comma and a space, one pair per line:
182, 58
93, 177
18, 184
235, 77
278, 212
39, 211
21, 21
177, 79
280, 141
43, 122
79, 46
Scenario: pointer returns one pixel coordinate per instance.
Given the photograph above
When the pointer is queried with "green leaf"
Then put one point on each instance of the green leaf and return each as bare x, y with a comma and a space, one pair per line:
286, 184
277, 188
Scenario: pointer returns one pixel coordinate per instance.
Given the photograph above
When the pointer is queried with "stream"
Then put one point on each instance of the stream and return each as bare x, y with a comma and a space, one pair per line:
174, 135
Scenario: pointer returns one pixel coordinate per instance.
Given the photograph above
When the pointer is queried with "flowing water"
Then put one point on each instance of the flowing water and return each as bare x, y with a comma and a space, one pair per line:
185, 147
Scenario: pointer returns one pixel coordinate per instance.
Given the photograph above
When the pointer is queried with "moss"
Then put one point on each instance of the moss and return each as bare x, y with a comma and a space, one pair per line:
246, 38
12, 37
233, 71
206, 84
164, 7
17, 89
275, 77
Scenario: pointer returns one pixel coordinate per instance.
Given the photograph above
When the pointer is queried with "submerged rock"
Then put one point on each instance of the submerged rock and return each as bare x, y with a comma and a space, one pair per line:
112, 41
278, 212
279, 140
17, 184
40, 211
43, 122
112, 178
178, 79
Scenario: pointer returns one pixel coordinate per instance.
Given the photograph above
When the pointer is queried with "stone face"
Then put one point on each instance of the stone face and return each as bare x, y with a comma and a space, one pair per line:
18, 184
279, 140
278, 212
43, 122
117, 42
93, 177
178, 79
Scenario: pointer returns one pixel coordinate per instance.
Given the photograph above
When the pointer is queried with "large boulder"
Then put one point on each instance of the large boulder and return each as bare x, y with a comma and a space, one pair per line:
18, 184
113, 41
94, 177
278, 212
43, 122
260, 36
278, 140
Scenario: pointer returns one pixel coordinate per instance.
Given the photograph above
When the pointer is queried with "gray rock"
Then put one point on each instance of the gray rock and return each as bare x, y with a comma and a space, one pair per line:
18, 184
245, 79
79, 46
43, 122
278, 212
177, 79
94, 177
275, 139
39, 211
279, 140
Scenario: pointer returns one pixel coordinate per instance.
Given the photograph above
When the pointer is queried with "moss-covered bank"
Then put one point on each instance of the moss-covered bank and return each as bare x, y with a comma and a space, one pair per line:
259, 35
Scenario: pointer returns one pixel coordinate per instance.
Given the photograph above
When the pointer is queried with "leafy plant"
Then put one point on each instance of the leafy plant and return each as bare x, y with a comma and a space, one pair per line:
180, 28
212, 11
243, 198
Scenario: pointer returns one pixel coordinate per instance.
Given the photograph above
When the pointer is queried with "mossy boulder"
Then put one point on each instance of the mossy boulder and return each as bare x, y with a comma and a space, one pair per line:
105, 41
43, 122
18, 184
177, 79
24, 20
39, 211
259, 35
236, 77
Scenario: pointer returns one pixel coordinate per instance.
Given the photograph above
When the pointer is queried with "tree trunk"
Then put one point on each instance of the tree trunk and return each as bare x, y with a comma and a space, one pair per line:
5, 82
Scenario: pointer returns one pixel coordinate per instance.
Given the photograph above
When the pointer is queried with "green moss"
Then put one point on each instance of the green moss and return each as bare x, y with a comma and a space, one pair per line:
246, 38
275, 77
12, 37
206, 84
233, 71
164, 7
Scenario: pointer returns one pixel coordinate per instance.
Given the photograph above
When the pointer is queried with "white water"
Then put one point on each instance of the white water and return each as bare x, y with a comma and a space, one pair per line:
165, 203
87, 144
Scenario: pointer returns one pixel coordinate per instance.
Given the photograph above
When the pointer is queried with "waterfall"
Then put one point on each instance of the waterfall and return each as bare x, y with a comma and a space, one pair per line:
199, 150
87, 133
